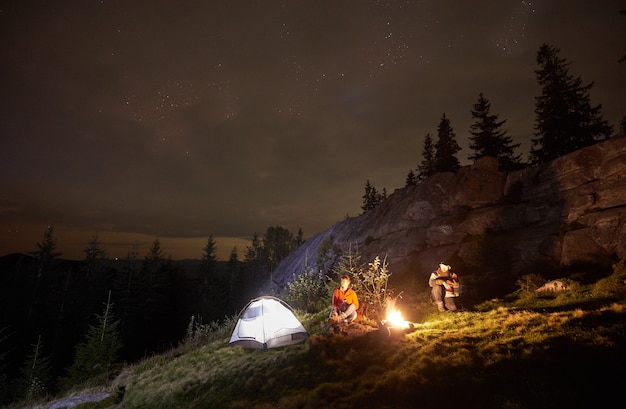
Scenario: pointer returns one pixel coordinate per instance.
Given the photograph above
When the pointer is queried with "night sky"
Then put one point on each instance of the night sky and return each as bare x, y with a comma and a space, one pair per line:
137, 120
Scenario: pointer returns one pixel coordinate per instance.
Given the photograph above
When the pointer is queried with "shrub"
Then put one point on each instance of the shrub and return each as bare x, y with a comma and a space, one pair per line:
529, 283
613, 285
308, 291
371, 285
199, 333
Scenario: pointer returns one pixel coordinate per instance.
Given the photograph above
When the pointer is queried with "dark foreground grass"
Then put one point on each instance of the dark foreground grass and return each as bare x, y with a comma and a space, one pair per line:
503, 355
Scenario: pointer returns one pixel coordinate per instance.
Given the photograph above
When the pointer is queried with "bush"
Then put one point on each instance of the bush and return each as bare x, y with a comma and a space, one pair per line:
308, 291
199, 333
371, 285
613, 285
529, 283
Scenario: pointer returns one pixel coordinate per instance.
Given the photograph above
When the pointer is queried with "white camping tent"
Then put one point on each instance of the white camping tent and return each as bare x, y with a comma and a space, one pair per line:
267, 322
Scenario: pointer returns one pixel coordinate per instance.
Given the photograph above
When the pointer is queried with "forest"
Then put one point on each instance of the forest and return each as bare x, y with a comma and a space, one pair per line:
48, 305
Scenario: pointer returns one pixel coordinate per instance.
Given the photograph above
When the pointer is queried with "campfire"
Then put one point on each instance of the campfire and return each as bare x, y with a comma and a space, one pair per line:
394, 321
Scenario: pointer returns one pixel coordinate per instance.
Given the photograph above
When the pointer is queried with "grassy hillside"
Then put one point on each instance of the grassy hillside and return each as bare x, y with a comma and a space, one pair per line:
529, 350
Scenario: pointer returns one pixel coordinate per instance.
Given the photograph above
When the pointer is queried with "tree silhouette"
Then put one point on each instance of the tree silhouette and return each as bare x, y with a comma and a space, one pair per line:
623, 58
46, 258
446, 148
101, 347
234, 267
94, 273
35, 373
411, 179
565, 119
209, 291
371, 197
278, 242
488, 139
299, 237
254, 267
427, 167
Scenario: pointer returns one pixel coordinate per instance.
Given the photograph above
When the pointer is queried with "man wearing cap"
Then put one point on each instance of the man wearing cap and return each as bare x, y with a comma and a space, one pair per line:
444, 287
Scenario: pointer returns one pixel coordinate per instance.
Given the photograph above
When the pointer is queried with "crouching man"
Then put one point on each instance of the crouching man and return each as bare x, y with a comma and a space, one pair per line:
444, 287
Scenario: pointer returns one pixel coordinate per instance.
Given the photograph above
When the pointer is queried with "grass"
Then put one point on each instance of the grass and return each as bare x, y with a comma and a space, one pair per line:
526, 351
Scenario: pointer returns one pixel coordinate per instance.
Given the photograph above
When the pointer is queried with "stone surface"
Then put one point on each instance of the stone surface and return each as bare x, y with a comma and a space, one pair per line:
570, 210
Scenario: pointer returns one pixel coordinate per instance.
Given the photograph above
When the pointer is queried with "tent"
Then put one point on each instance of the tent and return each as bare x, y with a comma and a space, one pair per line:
267, 322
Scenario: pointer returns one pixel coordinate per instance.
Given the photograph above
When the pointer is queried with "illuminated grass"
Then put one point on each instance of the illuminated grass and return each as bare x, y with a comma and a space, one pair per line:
554, 352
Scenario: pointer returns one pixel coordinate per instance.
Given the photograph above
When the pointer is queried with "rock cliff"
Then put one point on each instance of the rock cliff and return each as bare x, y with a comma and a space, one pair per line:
562, 213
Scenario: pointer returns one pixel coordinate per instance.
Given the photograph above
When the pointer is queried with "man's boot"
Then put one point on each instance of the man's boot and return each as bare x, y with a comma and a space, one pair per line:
440, 306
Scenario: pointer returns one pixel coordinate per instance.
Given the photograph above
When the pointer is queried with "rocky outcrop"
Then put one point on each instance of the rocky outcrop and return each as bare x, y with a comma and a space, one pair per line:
571, 210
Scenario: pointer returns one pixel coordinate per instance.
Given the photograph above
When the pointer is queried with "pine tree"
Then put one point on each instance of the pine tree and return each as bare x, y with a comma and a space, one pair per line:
565, 119
95, 258
278, 242
47, 258
623, 58
411, 179
101, 347
233, 281
299, 238
427, 167
488, 139
35, 374
4, 352
349, 264
208, 288
371, 197
446, 148
367, 197
94, 273
255, 269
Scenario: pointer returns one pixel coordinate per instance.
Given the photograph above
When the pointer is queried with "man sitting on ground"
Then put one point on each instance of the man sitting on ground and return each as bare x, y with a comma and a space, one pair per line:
345, 303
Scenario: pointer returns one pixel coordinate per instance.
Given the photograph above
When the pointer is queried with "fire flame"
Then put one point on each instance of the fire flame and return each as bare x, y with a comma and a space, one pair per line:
394, 317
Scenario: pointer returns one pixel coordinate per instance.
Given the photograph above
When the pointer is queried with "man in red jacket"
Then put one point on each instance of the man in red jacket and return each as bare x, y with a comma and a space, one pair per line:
344, 304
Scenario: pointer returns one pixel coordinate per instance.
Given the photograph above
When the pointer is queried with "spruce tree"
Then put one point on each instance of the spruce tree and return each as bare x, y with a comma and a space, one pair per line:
368, 197
4, 352
299, 237
233, 281
278, 242
565, 119
255, 269
371, 197
35, 373
446, 148
411, 179
47, 260
489, 139
209, 293
623, 58
427, 167
93, 277
101, 347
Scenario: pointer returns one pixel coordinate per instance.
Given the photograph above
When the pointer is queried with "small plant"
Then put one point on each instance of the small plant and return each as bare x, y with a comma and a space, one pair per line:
199, 333
529, 283
371, 285
308, 290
